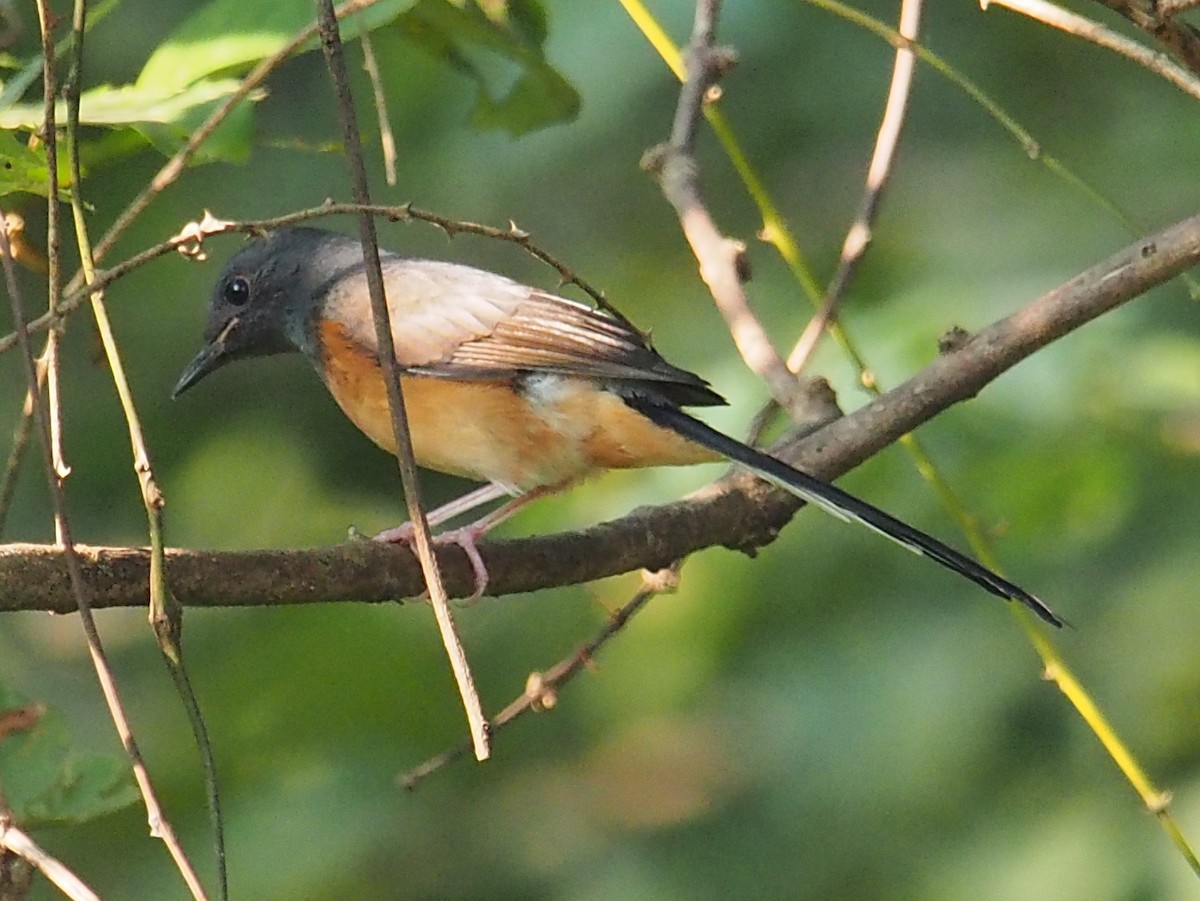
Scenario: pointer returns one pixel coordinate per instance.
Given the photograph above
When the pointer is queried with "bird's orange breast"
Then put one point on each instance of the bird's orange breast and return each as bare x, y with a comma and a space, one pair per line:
549, 430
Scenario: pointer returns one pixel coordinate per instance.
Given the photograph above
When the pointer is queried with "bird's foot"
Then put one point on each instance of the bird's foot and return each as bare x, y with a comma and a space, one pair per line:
465, 537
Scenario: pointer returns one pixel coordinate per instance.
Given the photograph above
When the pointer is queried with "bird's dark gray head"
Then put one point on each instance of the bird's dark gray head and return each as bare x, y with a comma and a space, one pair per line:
269, 296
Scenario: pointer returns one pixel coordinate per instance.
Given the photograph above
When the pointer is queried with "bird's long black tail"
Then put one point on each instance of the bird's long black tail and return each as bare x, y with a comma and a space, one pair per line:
833, 500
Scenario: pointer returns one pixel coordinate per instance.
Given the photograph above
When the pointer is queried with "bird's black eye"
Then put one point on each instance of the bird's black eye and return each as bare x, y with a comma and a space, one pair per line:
237, 292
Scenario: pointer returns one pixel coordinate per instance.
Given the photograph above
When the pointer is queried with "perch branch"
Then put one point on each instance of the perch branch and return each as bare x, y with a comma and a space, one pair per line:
739, 512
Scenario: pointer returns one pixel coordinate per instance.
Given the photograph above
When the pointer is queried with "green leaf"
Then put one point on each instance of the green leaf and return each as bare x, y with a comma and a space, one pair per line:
127, 105
500, 48
21, 169
496, 44
227, 36
232, 141
31, 69
46, 782
164, 118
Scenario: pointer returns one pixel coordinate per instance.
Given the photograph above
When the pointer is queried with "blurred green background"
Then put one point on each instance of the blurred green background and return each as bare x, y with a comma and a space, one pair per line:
834, 719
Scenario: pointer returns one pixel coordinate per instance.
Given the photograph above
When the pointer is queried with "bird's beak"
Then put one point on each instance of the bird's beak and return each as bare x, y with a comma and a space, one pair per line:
212, 357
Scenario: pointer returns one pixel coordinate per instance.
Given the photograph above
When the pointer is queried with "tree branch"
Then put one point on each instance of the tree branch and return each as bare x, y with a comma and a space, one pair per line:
1156, 18
1080, 26
722, 261
740, 512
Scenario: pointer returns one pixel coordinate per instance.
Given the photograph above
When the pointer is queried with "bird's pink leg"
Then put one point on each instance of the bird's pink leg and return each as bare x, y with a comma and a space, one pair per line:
403, 534
467, 536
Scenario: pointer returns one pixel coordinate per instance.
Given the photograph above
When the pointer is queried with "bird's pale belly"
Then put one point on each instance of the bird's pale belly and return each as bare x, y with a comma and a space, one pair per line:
551, 429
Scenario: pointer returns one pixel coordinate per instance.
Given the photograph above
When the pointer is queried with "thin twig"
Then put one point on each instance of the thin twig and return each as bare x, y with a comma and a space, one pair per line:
195, 718
776, 231
19, 842
513, 234
1156, 18
878, 174
721, 260
159, 826
1156, 801
189, 242
1175, 7
12, 466
423, 541
859, 235
175, 166
542, 688
80, 295
165, 616
387, 139
1081, 27
46, 416
50, 366
48, 363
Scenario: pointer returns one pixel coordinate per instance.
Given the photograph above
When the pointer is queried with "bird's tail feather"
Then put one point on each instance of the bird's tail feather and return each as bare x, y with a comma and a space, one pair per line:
835, 501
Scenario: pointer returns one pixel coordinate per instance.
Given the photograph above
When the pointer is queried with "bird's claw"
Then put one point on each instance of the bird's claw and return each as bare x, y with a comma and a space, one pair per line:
465, 538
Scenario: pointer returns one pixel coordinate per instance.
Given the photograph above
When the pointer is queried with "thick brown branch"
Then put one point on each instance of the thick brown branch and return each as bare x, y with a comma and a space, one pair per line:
742, 513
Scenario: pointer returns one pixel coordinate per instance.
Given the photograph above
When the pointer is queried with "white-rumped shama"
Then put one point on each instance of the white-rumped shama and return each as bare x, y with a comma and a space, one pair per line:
503, 383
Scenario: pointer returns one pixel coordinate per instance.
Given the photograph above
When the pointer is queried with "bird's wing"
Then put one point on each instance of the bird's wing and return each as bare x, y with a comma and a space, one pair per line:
454, 321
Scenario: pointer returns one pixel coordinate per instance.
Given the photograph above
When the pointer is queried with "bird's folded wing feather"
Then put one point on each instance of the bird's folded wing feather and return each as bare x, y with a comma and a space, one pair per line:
453, 321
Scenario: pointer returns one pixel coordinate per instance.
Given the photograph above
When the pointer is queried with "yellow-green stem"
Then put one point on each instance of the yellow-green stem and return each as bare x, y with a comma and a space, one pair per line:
776, 232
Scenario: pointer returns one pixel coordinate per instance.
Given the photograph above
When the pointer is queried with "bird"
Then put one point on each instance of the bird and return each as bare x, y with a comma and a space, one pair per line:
505, 384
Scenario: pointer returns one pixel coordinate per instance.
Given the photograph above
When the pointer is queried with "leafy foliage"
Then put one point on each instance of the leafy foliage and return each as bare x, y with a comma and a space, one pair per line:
193, 70
46, 781
829, 720
517, 89
22, 169
204, 45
